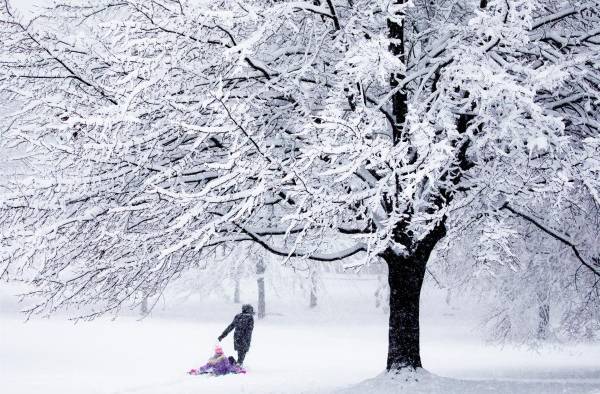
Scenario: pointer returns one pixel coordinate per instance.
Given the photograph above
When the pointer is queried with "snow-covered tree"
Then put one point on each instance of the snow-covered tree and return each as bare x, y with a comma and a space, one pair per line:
323, 130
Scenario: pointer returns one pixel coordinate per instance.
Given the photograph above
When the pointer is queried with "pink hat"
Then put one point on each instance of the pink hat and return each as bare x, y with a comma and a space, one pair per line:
218, 350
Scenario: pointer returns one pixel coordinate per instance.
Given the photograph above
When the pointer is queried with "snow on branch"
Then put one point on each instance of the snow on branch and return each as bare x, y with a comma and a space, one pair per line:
317, 130
555, 234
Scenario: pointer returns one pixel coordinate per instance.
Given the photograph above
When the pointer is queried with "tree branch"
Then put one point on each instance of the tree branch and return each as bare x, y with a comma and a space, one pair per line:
339, 255
553, 234
564, 13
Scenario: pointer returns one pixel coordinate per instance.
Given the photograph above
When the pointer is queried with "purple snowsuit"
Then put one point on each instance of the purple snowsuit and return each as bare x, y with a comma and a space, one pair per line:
220, 366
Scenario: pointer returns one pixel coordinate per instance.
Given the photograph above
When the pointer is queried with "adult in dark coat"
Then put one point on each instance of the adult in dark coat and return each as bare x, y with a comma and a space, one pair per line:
243, 323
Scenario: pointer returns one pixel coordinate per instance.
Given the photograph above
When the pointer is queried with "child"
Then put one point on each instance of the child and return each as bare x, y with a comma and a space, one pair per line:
218, 364
243, 324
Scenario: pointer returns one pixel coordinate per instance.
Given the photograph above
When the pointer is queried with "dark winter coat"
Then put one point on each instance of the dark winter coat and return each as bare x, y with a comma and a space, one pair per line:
243, 324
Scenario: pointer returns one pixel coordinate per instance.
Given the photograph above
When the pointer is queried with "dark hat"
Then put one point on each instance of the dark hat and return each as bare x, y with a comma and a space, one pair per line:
247, 308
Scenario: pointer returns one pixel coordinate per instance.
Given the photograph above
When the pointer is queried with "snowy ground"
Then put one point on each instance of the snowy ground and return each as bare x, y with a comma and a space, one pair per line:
339, 347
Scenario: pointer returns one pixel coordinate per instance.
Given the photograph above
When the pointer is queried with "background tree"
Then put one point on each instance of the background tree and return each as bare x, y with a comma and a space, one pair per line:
313, 283
317, 130
260, 281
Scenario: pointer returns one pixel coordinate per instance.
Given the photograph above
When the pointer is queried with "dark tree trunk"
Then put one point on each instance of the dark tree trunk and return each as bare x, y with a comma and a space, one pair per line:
405, 277
260, 271
400, 98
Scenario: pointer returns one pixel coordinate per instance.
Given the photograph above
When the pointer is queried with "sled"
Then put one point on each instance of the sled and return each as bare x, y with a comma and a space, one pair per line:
211, 373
